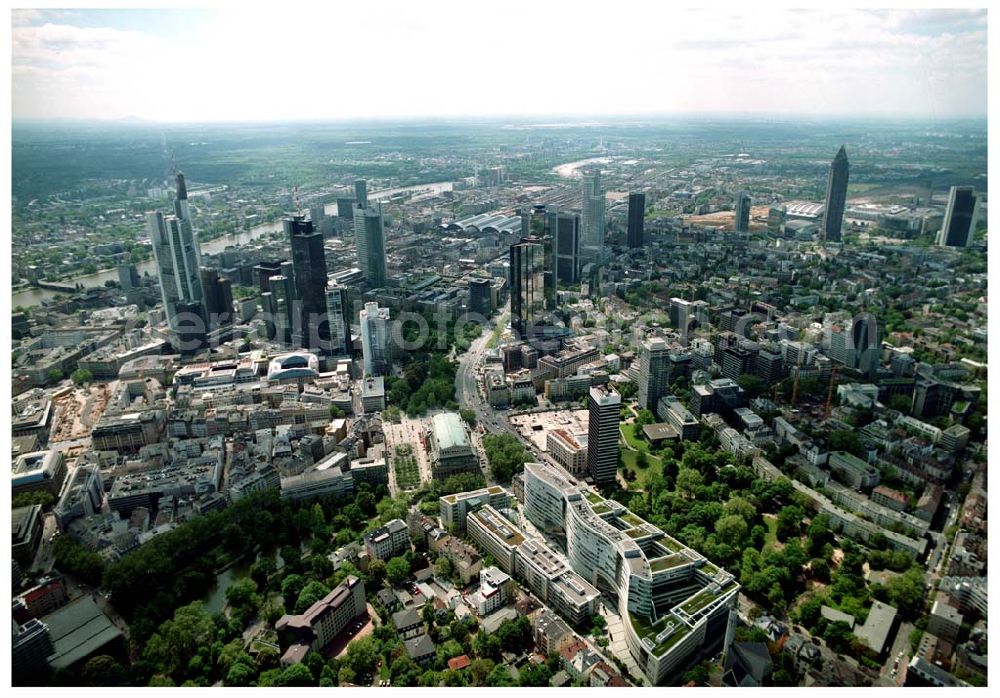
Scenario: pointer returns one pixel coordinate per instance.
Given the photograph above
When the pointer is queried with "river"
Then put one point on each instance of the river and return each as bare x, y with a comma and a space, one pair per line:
34, 296
215, 601
569, 170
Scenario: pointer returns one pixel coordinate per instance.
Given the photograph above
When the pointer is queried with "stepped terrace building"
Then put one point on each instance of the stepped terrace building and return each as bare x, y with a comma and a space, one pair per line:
677, 606
534, 563
454, 508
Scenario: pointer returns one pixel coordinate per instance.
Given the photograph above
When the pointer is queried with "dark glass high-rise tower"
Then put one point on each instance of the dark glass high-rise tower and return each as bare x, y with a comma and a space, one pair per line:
742, 212
540, 230
527, 285
218, 299
836, 196
636, 218
565, 230
959, 218
338, 317
309, 268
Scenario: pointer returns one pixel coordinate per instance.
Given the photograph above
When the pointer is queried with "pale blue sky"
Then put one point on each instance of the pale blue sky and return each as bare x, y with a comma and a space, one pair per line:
510, 57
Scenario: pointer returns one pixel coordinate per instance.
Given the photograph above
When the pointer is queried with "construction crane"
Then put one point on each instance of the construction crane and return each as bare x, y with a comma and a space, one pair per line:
829, 393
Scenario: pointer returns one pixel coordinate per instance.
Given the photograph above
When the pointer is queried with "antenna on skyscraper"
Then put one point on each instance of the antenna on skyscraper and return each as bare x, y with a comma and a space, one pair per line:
296, 200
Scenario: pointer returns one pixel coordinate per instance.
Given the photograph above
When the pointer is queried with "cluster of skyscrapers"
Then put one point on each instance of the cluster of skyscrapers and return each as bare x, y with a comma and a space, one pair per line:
302, 307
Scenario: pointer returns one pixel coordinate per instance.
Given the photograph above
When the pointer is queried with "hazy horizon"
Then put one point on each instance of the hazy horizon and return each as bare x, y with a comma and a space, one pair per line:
529, 62
539, 119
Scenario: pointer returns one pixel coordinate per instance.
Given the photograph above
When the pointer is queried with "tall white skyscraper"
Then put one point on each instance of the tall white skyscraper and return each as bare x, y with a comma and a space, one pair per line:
375, 338
592, 220
178, 255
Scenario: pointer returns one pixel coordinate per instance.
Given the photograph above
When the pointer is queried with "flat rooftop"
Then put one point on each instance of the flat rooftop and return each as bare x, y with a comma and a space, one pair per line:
78, 630
498, 525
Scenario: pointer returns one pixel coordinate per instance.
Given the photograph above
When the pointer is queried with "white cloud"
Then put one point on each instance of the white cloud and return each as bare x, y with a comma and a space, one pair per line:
346, 61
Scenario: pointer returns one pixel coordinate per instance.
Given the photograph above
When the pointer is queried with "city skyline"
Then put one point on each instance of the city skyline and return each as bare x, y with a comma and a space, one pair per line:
402, 390
112, 64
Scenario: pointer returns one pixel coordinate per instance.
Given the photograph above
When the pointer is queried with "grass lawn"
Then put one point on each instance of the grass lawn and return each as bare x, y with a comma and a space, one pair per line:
638, 443
771, 539
629, 457
655, 466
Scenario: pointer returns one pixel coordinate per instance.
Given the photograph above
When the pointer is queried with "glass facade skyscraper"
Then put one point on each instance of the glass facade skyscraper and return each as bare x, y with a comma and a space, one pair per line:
636, 219
836, 196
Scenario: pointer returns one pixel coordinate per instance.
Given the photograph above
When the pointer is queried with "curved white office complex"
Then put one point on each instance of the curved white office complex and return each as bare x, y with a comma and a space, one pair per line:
677, 606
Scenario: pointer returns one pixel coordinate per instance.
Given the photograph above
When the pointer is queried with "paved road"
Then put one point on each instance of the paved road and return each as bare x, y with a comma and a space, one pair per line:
467, 383
470, 396
45, 558
900, 651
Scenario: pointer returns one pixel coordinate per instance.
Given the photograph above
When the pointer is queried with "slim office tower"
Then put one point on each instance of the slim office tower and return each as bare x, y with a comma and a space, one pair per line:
375, 338
190, 329
345, 208
776, 218
218, 299
361, 193
480, 291
866, 336
176, 251
527, 285
836, 196
743, 212
128, 276
602, 438
283, 306
959, 218
309, 264
338, 314
264, 272
592, 219
540, 231
565, 229
636, 218
183, 211
654, 372
369, 239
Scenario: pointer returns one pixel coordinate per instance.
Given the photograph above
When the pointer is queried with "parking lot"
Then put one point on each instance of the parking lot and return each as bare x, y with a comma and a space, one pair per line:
358, 629
535, 426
